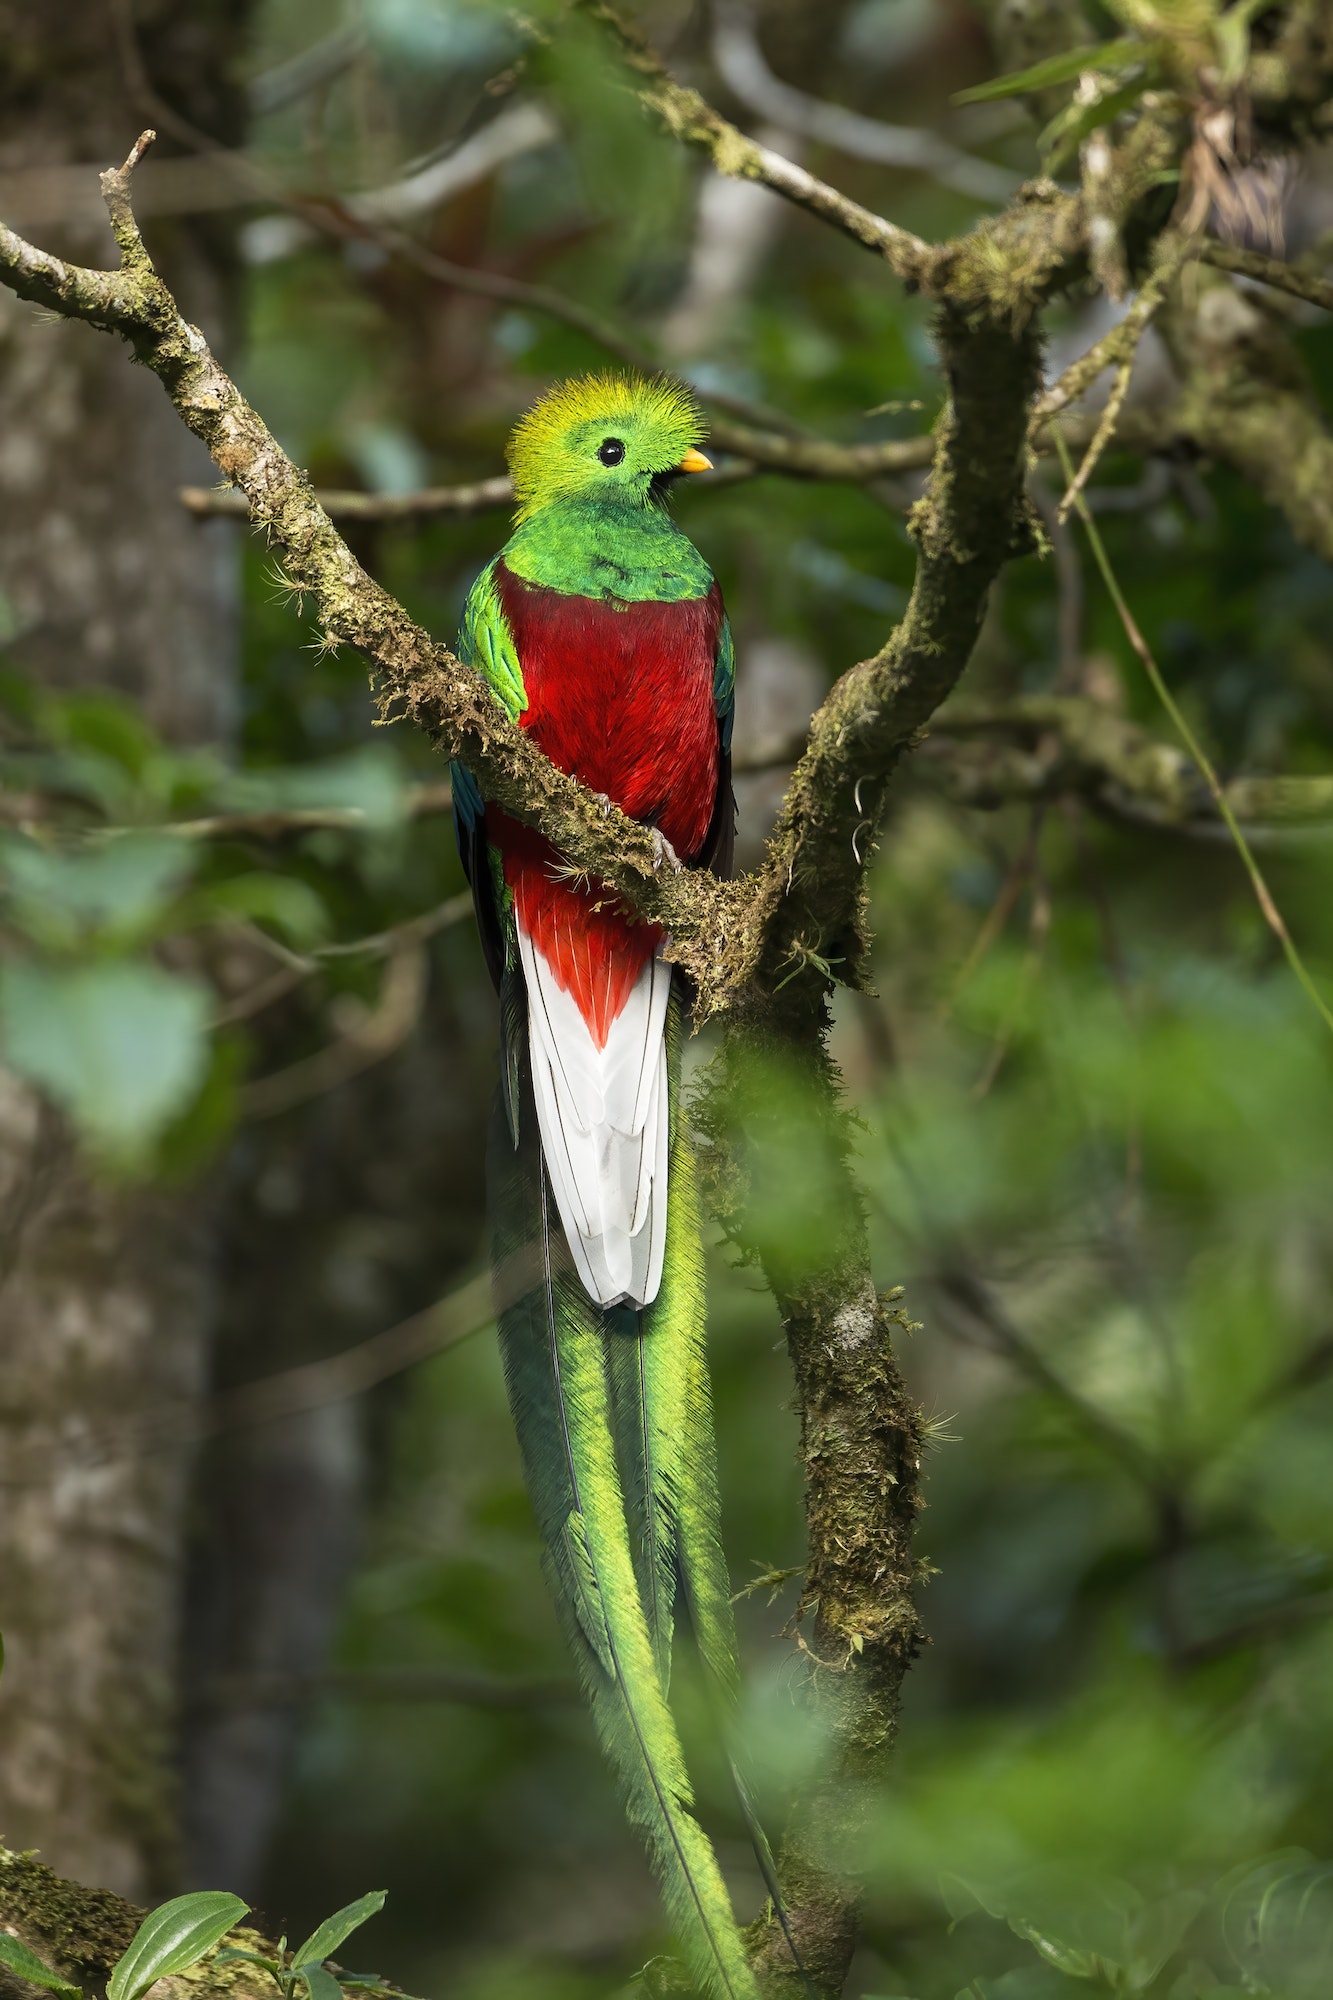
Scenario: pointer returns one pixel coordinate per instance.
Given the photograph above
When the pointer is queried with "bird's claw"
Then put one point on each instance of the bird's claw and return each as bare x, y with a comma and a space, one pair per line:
604, 801
664, 851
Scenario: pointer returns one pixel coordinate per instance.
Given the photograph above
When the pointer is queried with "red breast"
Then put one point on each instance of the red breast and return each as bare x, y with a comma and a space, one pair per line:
621, 695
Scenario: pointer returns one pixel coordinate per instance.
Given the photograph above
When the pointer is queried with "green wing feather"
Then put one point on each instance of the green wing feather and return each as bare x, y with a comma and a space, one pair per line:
486, 642
557, 1348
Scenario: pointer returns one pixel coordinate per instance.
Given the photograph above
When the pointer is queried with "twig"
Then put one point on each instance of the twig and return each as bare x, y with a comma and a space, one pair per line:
383, 1030
1101, 437
1268, 271
1170, 254
467, 1310
274, 1398
1267, 1624
762, 451
964, 1290
517, 129
999, 912
687, 117
1090, 751
742, 67
417, 677
263, 993
295, 968
421, 802
1039, 926
412, 931
311, 69
341, 219
1119, 345
481, 497
1263, 896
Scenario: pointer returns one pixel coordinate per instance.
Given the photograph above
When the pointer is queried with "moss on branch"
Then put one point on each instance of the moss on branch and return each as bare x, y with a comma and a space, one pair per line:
988, 754
81, 1932
973, 519
1246, 400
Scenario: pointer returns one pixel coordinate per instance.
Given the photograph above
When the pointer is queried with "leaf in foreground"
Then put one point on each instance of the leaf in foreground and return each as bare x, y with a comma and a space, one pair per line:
120, 1045
322, 1944
173, 1938
15, 1954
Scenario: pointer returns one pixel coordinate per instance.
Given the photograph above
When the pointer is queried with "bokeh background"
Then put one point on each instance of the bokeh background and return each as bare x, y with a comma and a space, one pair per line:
287, 1634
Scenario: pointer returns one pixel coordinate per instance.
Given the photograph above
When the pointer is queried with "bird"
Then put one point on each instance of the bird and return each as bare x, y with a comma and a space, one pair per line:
601, 630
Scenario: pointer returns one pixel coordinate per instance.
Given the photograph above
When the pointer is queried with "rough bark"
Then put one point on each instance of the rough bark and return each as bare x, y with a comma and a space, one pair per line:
104, 1294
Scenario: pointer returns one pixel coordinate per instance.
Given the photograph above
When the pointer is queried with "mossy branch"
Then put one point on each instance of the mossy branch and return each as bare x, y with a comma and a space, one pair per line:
988, 754
973, 519
729, 937
415, 677
81, 1932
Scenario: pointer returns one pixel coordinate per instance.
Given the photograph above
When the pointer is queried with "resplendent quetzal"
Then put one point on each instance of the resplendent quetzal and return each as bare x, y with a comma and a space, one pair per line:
601, 629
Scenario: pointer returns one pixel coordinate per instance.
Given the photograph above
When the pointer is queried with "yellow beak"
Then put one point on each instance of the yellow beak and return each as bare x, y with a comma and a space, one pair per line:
694, 461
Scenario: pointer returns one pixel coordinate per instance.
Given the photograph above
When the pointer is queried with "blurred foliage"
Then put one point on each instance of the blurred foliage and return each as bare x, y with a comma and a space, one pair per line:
1097, 1152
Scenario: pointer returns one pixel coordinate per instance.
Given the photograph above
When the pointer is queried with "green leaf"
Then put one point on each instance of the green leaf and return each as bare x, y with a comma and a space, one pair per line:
285, 902
1277, 1923
108, 724
1119, 54
961, 1900
117, 891
369, 782
121, 1045
1025, 1982
1069, 128
325, 1941
28, 1966
318, 1983
231, 1951
1231, 32
1158, 1932
173, 1938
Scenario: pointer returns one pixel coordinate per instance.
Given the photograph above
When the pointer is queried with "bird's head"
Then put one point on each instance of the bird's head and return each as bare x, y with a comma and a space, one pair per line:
611, 438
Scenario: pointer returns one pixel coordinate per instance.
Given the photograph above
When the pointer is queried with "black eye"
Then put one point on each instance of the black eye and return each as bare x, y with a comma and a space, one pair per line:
610, 451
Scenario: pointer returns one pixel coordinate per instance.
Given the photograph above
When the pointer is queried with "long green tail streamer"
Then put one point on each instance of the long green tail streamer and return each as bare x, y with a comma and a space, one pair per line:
558, 1353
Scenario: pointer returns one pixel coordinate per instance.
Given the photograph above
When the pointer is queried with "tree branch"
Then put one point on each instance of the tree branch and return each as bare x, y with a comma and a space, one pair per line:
483, 496
743, 68
759, 451
1268, 271
973, 519
417, 678
1246, 400
1072, 745
686, 116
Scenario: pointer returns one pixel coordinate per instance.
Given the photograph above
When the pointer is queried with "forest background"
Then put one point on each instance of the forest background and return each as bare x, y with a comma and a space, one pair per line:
268, 1580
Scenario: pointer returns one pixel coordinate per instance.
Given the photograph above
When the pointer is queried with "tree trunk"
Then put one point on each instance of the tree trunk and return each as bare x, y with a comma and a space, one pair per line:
345, 1217
105, 1295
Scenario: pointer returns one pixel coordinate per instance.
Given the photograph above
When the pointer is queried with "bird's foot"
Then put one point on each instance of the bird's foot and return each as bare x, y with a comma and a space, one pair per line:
604, 800
664, 851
